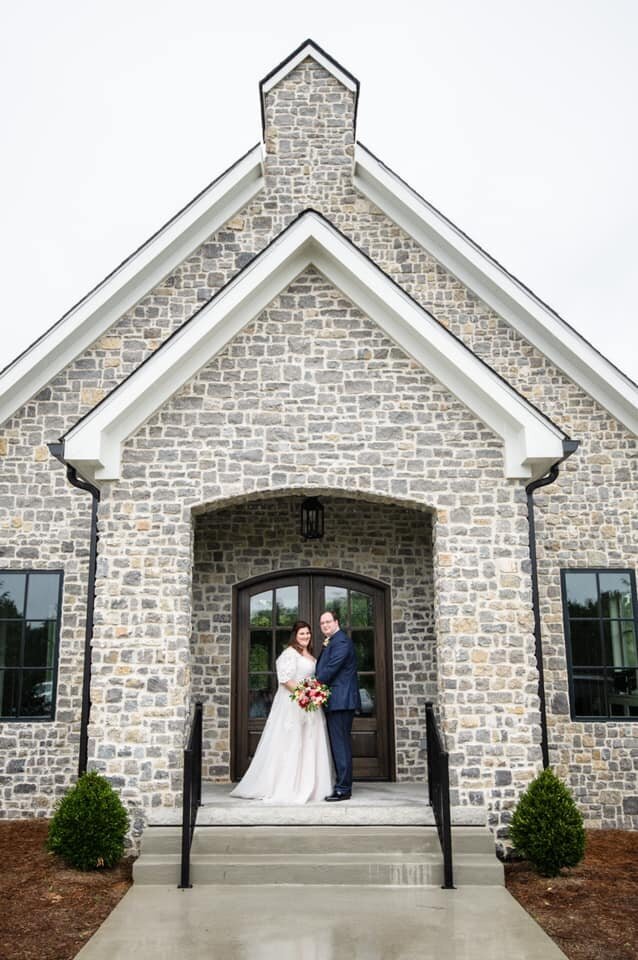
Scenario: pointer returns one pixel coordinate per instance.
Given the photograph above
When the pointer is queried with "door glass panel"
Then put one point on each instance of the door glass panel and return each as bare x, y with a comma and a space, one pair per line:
259, 695
337, 604
261, 609
42, 598
615, 595
259, 659
282, 640
620, 643
12, 594
367, 692
360, 609
364, 648
287, 604
582, 594
585, 635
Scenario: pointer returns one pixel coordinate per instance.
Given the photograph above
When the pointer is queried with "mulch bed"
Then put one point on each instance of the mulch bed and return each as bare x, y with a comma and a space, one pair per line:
48, 911
591, 911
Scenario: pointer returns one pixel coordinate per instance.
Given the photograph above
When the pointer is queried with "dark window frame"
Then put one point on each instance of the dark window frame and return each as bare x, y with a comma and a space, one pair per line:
27, 571
565, 571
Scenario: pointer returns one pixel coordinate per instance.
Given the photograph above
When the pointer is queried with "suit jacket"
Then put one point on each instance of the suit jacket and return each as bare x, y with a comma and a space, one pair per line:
337, 668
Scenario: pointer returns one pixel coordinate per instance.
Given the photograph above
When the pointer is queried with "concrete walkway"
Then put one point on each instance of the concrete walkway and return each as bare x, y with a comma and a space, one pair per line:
319, 923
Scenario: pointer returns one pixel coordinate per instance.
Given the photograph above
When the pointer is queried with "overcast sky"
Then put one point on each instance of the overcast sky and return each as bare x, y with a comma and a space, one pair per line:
517, 119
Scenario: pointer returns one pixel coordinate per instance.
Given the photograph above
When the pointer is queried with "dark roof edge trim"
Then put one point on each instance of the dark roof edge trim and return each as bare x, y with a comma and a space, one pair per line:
127, 259
309, 42
494, 261
362, 253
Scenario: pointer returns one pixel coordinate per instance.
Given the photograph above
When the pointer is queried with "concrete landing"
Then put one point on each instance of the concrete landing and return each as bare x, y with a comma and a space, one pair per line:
372, 804
319, 923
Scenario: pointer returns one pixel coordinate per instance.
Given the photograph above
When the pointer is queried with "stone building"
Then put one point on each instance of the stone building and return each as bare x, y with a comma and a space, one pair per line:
310, 329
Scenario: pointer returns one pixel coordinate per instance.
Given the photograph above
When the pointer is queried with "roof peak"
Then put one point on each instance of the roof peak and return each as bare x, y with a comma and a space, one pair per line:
307, 49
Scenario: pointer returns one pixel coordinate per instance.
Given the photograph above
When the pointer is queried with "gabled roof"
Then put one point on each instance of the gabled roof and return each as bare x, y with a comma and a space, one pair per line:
532, 443
507, 296
137, 275
129, 282
307, 49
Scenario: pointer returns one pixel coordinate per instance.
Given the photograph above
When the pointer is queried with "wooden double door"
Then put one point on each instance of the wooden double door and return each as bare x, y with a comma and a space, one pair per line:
265, 611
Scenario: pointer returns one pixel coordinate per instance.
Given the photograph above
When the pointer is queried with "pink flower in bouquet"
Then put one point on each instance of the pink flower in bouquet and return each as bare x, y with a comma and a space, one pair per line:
310, 694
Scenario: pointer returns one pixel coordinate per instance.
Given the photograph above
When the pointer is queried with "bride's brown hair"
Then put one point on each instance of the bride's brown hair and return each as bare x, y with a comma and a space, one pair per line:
296, 627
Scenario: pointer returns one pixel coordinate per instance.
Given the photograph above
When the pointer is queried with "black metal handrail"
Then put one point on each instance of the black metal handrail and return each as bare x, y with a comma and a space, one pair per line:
192, 793
439, 791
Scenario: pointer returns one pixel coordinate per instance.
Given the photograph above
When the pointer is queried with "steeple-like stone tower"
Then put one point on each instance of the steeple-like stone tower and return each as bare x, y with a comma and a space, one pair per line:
309, 107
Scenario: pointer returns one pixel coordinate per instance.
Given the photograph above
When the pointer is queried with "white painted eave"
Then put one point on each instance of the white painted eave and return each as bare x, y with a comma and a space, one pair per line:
130, 282
531, 442
308, 49
536, 322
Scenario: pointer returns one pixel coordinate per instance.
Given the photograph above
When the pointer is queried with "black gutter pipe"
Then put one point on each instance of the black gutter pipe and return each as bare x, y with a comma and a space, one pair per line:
569, 447
57, 450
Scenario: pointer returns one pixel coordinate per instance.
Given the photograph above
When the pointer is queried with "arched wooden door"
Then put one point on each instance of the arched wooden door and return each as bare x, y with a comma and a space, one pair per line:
265, 610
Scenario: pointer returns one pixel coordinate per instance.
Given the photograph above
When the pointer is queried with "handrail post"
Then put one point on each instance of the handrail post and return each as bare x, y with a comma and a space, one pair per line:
185, 883
191, 792
446, 824
439, 791
197, 799
429, 719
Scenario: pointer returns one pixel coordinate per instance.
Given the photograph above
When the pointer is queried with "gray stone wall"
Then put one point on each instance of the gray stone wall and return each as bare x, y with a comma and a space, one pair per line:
372, 539
421, 448
313, 396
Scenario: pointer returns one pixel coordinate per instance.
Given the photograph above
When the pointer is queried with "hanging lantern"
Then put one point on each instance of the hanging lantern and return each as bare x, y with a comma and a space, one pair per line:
311, 519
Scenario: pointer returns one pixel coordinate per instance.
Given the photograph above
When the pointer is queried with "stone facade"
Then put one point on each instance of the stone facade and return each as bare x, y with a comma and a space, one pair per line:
314, 381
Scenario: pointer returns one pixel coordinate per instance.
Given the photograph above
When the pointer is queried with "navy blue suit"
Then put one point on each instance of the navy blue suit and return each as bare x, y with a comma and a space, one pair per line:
337, 667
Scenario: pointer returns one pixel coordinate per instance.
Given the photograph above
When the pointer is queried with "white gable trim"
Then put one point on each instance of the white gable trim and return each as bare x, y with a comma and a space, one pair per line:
531, 442
536, 322
308, 49
126, 286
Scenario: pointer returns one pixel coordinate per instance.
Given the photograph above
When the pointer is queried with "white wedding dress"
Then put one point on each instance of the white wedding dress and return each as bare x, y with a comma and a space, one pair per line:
292, 762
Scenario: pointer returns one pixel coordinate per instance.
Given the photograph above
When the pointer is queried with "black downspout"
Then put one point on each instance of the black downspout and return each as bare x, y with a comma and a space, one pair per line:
569, 447
57, 450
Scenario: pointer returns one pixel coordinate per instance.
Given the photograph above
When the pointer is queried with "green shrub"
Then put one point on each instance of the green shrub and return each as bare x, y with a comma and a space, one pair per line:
89, 824
547, 827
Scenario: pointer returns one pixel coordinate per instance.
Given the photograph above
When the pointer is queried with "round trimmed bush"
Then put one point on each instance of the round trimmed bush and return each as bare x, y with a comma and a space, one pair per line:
89, 824
547, 826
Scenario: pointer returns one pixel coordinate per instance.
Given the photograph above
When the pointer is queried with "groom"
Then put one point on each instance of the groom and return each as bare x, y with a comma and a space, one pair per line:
337, 667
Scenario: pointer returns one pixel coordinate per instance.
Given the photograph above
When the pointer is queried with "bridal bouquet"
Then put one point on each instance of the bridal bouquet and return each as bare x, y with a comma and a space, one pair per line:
310, 694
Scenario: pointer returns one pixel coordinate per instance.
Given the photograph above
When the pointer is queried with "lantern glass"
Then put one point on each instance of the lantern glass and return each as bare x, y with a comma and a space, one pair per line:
311, 519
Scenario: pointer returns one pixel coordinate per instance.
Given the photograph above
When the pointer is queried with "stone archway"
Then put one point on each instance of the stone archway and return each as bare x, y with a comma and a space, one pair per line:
384, 542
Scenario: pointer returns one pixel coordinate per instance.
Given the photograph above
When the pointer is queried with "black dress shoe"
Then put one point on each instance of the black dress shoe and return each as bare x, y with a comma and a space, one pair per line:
338, 796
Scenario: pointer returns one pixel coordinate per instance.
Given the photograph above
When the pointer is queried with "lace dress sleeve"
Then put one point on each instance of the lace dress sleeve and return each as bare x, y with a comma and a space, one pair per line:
286, 664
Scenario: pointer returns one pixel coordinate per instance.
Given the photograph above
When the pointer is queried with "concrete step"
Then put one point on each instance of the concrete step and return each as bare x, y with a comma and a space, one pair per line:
309, 840
373, 856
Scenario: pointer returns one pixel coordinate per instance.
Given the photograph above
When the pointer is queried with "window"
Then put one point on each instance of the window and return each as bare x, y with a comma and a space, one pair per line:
600, 632
29, 628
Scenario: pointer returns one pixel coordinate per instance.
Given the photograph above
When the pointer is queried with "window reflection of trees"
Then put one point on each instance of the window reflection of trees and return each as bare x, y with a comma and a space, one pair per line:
601, 633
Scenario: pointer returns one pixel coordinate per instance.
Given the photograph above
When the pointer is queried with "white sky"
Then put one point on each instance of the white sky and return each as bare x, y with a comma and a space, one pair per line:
517, 119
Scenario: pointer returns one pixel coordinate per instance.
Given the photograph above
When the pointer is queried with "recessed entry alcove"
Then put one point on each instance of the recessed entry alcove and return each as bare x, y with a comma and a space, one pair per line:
254, 575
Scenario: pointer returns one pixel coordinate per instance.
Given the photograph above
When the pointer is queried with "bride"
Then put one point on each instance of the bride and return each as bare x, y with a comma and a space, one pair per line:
292, 762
